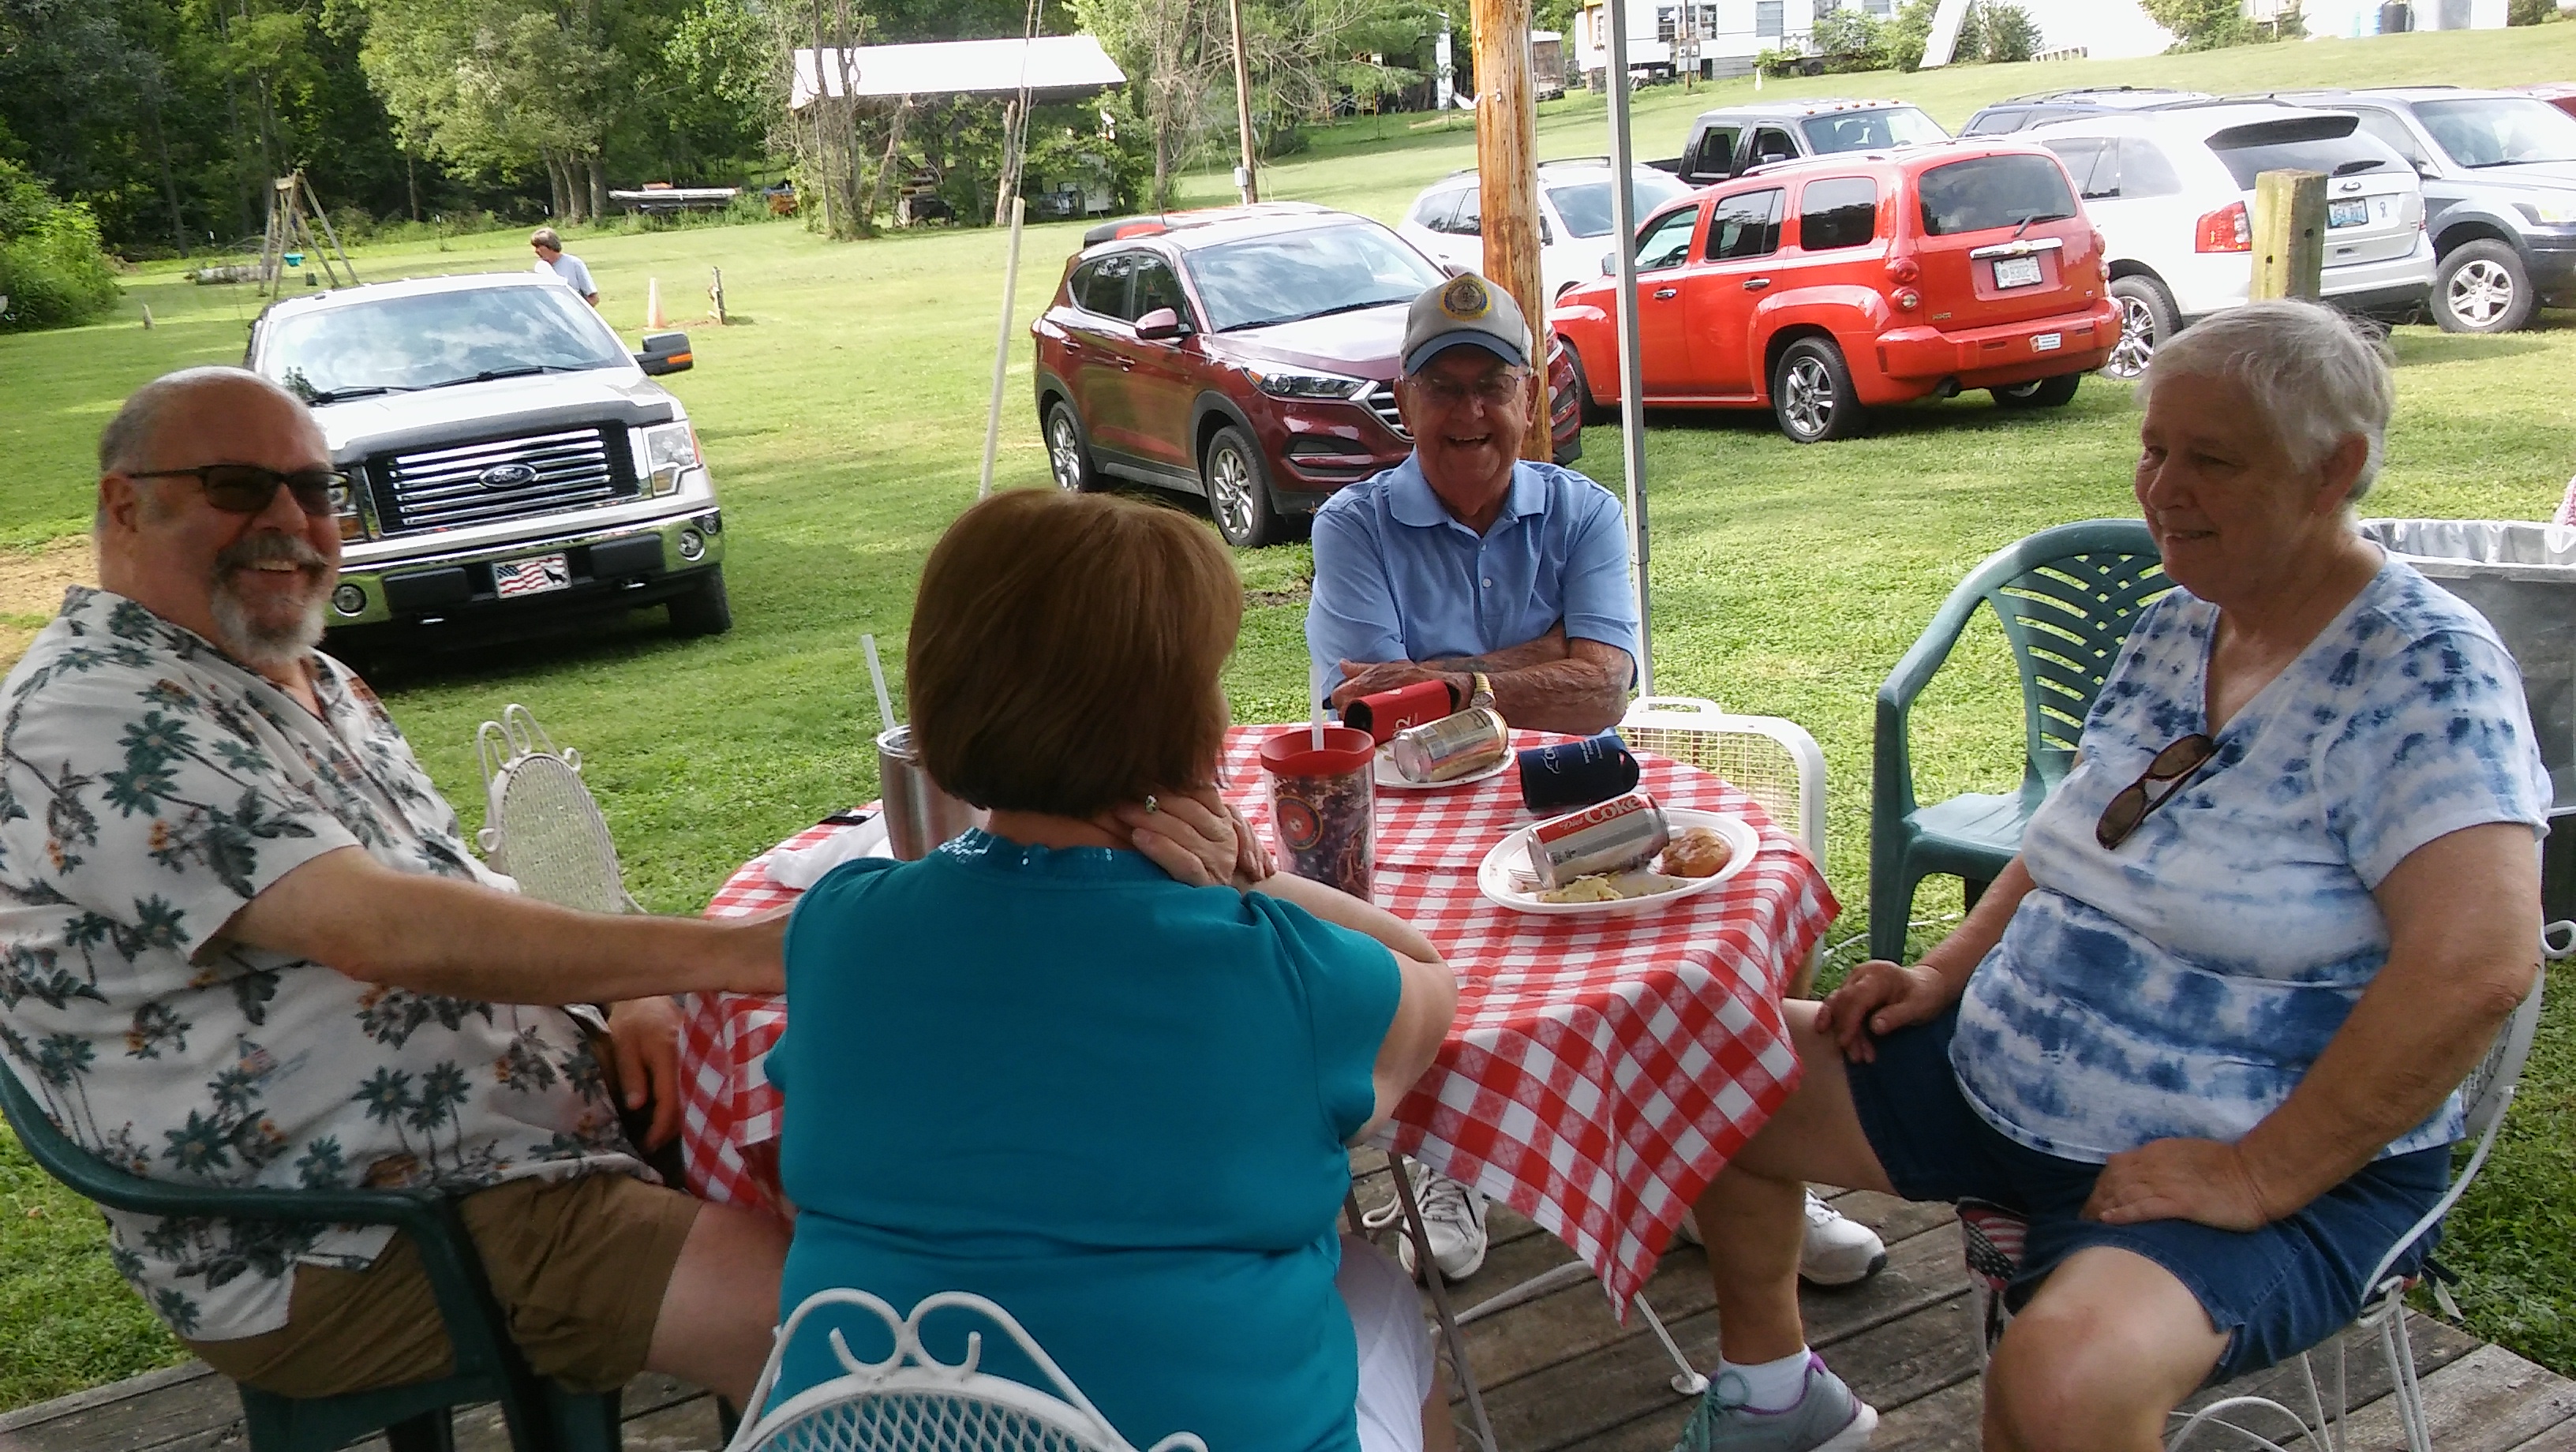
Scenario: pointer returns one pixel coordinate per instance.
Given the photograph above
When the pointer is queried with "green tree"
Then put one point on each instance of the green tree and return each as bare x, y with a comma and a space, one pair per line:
2005, 32
2215, 24
51, 269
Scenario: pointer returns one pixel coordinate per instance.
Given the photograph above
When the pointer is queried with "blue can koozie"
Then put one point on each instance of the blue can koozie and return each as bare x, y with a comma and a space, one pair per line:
1576, 773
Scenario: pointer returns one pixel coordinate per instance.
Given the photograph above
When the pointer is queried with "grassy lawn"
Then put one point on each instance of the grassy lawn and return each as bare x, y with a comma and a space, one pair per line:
844, 415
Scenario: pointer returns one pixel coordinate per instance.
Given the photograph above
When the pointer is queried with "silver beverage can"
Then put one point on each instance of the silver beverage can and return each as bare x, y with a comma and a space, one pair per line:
1452, 747
1605, 837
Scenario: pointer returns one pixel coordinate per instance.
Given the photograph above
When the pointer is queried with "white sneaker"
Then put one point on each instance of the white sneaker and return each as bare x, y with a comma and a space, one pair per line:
1838, 1251
1453, 1220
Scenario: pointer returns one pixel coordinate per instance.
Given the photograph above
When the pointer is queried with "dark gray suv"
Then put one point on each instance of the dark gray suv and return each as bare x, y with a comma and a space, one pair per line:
2499, 174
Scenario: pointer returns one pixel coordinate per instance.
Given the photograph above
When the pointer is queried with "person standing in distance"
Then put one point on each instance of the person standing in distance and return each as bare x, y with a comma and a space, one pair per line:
1507, 579
552, 258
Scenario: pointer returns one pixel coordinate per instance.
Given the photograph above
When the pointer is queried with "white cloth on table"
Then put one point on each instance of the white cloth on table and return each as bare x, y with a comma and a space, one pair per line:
802, 867
1395, 1347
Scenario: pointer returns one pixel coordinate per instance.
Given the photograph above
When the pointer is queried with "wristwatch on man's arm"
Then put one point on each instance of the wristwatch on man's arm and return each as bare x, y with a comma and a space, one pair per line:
1469, 689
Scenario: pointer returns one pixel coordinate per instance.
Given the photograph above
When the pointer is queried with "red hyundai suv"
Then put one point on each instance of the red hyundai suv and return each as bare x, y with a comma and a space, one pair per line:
1820, 289
1244, 353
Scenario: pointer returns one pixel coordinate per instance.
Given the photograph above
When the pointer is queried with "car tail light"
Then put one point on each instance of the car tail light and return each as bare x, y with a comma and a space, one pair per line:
2229, 229
2101, 244
1903, 269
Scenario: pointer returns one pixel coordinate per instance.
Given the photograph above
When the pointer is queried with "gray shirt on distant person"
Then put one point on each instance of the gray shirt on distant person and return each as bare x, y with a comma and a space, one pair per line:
574, 273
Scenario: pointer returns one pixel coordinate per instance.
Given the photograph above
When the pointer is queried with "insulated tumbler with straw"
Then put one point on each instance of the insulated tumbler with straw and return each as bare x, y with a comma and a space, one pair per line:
1323, 804
919, 816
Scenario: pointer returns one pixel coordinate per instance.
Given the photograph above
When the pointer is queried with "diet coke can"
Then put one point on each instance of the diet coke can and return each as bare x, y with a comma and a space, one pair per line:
1607, 837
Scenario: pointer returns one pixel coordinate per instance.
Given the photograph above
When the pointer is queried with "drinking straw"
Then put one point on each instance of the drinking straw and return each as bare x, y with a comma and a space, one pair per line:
876, 673
1315, 694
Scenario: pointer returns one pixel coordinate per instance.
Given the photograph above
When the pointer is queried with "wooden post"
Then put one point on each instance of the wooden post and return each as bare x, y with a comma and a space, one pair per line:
1246, 178
1507, 183
2289, 234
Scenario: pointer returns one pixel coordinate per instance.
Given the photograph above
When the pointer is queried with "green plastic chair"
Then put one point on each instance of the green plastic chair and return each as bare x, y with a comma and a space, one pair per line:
542, 1416
2066, 598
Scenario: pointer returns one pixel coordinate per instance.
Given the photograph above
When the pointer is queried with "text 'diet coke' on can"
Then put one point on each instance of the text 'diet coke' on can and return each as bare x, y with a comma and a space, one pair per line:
1452, 747
1606, 837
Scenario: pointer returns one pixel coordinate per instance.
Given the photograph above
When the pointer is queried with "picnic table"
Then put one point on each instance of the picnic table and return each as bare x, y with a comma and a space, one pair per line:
1602, 1069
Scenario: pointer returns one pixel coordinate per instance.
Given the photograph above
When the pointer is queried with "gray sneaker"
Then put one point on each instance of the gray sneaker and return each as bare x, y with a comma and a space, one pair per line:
1826, 1418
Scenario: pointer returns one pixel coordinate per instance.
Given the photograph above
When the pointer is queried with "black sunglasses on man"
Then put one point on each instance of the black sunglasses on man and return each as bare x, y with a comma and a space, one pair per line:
247, 488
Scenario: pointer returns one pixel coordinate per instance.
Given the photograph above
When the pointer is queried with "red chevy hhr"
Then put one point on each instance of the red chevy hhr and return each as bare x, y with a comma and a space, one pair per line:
1244, 353
1820, 289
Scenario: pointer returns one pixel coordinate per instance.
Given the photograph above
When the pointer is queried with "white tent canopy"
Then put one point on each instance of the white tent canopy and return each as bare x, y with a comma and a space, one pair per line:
1049, 67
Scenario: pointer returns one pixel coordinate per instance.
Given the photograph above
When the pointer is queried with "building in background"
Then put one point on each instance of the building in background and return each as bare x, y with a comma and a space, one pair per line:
1712, 38
2354, 18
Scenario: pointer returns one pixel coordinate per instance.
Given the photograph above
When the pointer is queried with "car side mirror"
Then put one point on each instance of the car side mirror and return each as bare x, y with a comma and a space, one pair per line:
1162, 325
665, 353
1609, 264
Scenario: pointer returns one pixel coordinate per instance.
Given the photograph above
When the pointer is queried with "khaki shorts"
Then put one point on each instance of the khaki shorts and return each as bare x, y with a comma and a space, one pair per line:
579, 1267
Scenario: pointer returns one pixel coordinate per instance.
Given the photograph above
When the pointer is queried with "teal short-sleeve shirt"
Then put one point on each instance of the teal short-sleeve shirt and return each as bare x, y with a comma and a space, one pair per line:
1114, 1104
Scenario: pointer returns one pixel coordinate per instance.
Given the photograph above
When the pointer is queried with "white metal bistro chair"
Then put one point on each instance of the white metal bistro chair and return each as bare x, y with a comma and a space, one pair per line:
1778, 764
1993, 1241
540, 824
914, 1402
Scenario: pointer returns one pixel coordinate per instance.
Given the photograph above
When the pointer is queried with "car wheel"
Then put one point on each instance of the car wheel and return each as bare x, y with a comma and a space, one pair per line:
1238, 490
1811, 393
704, 610
1069, 450
2039, 392
2482, 287
1593, 411
2147, 318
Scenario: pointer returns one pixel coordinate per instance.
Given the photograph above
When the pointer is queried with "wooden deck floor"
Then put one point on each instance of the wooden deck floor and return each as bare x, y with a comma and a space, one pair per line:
1557, 1373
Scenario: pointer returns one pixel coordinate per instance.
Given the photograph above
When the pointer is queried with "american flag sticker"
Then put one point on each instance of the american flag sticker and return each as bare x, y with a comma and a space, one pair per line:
531, 577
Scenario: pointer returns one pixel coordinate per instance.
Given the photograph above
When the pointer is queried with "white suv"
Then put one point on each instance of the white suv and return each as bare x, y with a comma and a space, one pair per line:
2172, 191
1574, 211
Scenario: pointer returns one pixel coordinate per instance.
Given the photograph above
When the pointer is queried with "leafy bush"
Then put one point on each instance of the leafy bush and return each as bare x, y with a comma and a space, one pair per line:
51, 268
2004, 33
2216, 24
2531, 12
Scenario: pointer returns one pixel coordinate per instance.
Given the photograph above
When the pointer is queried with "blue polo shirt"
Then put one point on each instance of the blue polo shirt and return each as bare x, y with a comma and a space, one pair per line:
1398, 578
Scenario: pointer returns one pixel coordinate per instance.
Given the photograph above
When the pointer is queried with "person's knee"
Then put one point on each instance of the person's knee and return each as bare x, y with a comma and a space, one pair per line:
2077, 1376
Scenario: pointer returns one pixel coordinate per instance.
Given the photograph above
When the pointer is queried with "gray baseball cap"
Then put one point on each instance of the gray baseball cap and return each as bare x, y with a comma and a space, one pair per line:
1465, 309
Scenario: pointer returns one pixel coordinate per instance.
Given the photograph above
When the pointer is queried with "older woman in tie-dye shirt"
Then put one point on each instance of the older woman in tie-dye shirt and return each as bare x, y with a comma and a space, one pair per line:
2205, 1032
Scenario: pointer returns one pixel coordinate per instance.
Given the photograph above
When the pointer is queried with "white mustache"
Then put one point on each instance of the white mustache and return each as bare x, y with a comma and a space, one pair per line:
267, 546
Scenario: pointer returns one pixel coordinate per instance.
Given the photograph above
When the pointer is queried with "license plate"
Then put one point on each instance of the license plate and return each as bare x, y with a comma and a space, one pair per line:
2348, 212
2016, 271
2047, 342
531, 576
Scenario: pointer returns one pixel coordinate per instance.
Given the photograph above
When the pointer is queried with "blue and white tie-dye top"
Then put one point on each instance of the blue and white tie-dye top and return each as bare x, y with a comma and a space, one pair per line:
2182, 985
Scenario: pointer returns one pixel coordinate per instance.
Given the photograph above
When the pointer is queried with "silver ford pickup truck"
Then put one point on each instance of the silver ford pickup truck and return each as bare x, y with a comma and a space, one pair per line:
507, 456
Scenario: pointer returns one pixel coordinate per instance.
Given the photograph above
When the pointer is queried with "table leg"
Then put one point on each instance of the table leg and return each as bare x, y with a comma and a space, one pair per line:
1431, 1281
1687, 1380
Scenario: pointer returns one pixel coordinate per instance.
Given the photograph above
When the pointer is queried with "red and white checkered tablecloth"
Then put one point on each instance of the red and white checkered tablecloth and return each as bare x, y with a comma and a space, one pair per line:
1601, 1071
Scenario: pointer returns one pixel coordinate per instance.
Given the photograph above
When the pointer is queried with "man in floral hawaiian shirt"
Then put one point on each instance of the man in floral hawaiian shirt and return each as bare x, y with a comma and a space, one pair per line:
242, 943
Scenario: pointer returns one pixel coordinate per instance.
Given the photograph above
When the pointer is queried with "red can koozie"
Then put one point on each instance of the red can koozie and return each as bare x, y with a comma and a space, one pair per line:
1388, 712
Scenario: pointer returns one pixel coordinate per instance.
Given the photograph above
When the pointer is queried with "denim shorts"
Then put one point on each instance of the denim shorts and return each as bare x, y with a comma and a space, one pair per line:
2275, 1292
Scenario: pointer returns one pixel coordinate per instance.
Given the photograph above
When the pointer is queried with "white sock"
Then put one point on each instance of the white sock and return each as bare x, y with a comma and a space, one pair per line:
1772, 1386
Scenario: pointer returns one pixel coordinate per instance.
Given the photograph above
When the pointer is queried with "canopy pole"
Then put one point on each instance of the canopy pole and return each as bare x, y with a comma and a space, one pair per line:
1632, 408
1002, 347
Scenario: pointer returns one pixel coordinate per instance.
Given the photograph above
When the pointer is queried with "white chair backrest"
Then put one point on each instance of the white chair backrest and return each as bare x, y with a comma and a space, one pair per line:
914, 1402
1770, 758
541, 825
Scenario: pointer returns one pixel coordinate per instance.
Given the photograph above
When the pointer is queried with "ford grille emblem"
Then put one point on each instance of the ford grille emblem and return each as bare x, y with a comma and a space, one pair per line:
508, 476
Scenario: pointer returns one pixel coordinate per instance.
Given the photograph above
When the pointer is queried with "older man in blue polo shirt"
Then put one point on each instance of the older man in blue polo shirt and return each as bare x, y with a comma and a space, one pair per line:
1467, 560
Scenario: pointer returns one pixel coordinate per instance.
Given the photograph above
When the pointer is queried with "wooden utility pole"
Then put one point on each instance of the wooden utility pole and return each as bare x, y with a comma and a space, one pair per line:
1244, 177
1507, 183
2290, 234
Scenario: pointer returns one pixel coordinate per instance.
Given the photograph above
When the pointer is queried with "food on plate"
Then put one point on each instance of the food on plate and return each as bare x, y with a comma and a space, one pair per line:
1612, 887
1697, 852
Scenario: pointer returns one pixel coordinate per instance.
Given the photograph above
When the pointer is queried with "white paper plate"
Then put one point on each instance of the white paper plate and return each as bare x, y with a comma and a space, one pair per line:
1391, 780
1510, 858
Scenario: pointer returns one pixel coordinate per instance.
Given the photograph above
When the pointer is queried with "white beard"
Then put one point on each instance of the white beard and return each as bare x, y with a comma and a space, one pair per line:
265, 645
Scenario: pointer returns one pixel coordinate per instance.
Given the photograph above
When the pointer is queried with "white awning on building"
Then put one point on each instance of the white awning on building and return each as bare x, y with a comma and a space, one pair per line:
1050, 67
